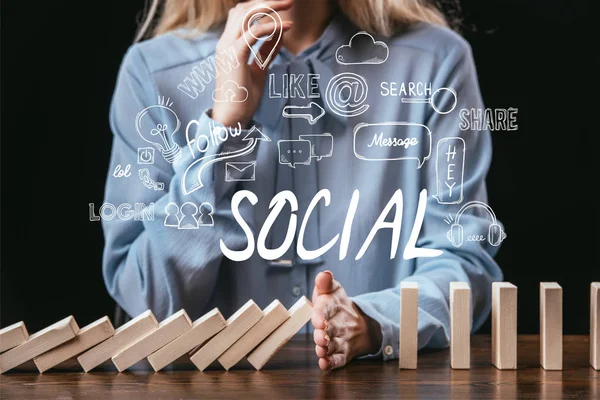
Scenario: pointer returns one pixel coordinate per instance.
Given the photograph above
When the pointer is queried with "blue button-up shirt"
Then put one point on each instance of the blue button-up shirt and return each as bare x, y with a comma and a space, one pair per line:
148, 263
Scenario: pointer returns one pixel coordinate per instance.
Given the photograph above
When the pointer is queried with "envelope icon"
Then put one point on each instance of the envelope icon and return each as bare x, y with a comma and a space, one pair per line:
240, 171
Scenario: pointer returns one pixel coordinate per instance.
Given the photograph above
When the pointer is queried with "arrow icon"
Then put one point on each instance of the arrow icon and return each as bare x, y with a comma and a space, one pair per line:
230, 92
229, 96
312, 112
192, 180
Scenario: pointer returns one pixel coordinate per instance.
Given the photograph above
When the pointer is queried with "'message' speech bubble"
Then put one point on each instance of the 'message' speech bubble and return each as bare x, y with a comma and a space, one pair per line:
450, 170
293, 152
388, 141
321, 145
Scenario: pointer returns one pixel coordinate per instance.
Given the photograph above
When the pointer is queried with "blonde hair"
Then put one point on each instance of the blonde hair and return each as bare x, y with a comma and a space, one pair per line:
383, 17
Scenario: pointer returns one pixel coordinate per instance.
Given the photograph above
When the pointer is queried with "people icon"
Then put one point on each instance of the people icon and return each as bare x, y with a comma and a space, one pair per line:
189, 215
172, 218
206, 215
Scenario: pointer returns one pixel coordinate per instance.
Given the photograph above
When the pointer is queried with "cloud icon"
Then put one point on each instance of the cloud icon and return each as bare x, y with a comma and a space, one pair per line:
362, 49
230, 92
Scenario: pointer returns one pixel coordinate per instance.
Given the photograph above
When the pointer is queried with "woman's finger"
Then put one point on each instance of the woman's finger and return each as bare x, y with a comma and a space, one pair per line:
318, 321
335, 345
332, 362
321, 338
333, 330
321, 351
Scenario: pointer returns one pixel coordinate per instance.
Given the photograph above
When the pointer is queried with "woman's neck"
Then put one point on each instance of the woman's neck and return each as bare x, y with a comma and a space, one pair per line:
310, 18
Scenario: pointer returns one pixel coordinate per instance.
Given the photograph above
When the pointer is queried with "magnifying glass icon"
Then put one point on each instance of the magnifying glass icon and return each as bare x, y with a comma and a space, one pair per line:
436, 100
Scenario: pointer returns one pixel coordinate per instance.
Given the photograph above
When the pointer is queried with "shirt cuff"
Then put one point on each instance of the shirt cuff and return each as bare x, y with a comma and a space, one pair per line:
389, 343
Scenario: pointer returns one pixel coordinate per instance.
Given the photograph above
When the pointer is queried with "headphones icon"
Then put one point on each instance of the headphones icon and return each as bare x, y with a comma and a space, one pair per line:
495, 234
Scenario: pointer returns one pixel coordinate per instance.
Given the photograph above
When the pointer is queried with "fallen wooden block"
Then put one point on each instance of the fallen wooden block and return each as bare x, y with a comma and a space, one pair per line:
12, 336
595, 325
38, 343
123, 337
300, 314
237, 325
202, 329
274, 315
168, 330
460, 325
86, 338
551, 326
409, 325
504, 325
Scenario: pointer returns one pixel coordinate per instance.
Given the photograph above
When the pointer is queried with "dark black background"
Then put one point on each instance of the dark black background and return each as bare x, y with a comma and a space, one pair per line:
59, 64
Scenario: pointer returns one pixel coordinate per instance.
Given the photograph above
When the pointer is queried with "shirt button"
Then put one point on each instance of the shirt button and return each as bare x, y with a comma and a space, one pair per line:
388, 350
297, 290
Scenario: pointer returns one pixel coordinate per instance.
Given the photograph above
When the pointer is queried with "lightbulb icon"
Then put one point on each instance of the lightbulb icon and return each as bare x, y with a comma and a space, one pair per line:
160, 134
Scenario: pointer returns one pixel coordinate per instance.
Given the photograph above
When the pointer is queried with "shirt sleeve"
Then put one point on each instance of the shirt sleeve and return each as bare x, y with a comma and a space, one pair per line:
472, 262
147, 265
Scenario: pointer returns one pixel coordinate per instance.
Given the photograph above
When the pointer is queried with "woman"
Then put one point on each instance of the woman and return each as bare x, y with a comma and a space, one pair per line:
289, 88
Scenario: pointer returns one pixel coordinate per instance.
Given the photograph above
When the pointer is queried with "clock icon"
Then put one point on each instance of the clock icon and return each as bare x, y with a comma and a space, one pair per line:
145, 155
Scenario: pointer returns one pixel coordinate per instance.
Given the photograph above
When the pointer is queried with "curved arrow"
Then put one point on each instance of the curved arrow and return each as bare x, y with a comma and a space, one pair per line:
197, 184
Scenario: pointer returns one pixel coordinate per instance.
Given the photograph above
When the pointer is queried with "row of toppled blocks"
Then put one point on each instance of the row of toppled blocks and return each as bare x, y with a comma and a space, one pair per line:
250, 332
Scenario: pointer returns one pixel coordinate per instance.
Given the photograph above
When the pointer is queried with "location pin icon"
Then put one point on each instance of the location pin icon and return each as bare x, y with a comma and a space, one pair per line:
258, 12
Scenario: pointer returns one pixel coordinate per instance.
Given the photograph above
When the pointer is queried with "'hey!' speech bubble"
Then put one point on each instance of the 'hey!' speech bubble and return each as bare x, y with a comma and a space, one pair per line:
450, 170
388, 141
293, 152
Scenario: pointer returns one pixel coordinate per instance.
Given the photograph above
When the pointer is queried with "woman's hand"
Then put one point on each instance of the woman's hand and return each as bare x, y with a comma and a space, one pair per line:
250, 76
342, 330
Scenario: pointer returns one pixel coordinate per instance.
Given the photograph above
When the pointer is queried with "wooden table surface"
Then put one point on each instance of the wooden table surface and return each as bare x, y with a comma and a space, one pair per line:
293, 373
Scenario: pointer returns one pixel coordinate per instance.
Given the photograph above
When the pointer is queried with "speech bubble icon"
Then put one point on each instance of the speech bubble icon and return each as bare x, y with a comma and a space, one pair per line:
450, 170
293, 152
321, 145
392, 141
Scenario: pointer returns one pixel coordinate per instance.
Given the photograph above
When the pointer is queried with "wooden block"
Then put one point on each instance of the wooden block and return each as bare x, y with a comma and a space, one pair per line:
300, 314
202, 329
123, 337
409, 325
86, 338
274, 315
12, 336
504, 325
38, 343
168, 330
595, 325
237, 325
551, 326
460, 325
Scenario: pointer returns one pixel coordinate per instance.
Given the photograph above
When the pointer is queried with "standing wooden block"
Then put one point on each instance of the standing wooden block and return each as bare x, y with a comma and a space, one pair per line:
409, 325
504, 325
168, 330
551, 326
237, 325
300, 314
12, 336
39, 343
86, 338
460, 325
595, 325
123, 337
202, 329
274, 315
